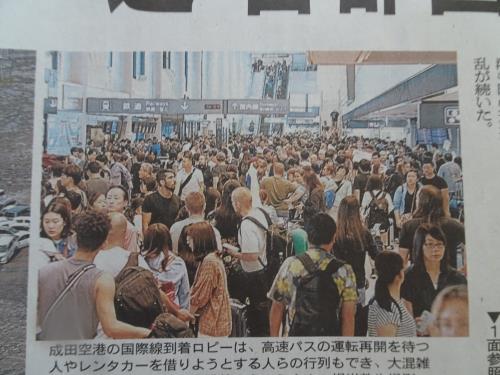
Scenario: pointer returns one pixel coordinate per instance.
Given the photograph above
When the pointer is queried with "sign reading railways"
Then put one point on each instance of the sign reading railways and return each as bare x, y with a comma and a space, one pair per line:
187, 106
153, 106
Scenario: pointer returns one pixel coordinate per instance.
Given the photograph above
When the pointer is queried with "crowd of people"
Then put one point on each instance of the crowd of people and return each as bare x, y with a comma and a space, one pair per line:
284, 236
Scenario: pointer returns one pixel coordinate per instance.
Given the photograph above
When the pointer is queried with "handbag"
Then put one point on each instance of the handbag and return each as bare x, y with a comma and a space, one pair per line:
408, 216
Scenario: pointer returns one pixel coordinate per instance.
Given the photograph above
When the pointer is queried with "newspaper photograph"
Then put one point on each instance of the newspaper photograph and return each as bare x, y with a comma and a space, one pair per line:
280, 193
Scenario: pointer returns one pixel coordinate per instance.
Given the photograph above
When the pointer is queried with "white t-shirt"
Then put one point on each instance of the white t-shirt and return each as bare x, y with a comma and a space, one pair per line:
192, 186
344, 191
113, 260
42, 251
176, 230
252, 239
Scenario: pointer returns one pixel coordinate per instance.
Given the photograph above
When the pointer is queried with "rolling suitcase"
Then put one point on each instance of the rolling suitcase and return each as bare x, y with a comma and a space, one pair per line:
239, 314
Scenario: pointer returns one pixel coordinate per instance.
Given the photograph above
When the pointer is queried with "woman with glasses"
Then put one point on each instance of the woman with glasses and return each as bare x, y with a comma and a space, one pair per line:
430, 273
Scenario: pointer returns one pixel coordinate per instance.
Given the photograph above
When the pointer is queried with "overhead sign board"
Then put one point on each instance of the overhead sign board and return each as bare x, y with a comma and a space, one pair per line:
439, 115
258, 107
118, 106
153, 106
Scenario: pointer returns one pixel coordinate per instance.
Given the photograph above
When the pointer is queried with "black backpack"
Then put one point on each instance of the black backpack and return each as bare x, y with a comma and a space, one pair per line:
318, 300
378, 211
278, 247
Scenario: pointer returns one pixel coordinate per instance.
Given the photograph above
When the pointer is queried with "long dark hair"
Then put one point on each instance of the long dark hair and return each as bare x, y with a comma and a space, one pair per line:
430, 204
435, 232
226, 219
311, 179
349, 224
157, 240
62, 207
388, 265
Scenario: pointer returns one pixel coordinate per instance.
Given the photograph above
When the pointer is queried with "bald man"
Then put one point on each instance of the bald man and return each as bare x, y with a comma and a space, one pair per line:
113, 257
252, 257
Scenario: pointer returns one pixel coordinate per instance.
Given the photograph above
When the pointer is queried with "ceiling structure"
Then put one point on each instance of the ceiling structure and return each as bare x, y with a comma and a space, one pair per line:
380, 57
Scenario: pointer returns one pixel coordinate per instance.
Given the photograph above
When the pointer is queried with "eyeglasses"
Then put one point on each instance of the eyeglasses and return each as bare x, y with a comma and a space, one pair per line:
434, 245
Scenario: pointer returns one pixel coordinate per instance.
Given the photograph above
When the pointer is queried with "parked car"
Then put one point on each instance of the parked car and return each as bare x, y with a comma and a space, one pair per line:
8, 244
23, 239
19, 226
5, 200
23, 219
4, 221
14, 211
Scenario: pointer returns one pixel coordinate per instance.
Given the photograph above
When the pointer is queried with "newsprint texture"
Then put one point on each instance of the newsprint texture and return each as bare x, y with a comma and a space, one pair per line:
250, 186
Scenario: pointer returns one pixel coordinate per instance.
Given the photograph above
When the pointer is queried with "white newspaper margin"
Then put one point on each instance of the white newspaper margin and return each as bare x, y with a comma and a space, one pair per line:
480, 144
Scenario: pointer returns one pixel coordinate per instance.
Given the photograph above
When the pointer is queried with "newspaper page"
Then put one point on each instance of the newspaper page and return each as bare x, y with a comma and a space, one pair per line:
250, 186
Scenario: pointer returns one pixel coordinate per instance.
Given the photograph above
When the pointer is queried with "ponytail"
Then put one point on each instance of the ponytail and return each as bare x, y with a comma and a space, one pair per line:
388, 265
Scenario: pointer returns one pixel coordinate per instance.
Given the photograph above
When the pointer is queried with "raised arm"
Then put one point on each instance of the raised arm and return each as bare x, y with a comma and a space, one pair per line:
105, 305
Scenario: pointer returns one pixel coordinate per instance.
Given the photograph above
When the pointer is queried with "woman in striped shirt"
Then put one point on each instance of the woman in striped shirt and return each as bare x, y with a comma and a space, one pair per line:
387, 315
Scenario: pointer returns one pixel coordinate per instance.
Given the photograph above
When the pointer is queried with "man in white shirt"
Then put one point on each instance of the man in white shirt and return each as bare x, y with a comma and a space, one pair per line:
252, 241
342, 188
195, 204
189, 178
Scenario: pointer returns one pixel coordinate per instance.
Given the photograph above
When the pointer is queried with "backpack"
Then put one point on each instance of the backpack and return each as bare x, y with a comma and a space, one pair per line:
329, 198
378, 211
330, 195
239, 317
278, 246
317, 300
137, 297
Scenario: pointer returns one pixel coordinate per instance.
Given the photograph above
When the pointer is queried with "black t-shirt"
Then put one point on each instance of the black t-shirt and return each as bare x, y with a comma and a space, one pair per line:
410, 202
436, 181
418, 288
208, 178
136, 182
453, 230
360, 184
349, 251
163, 210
